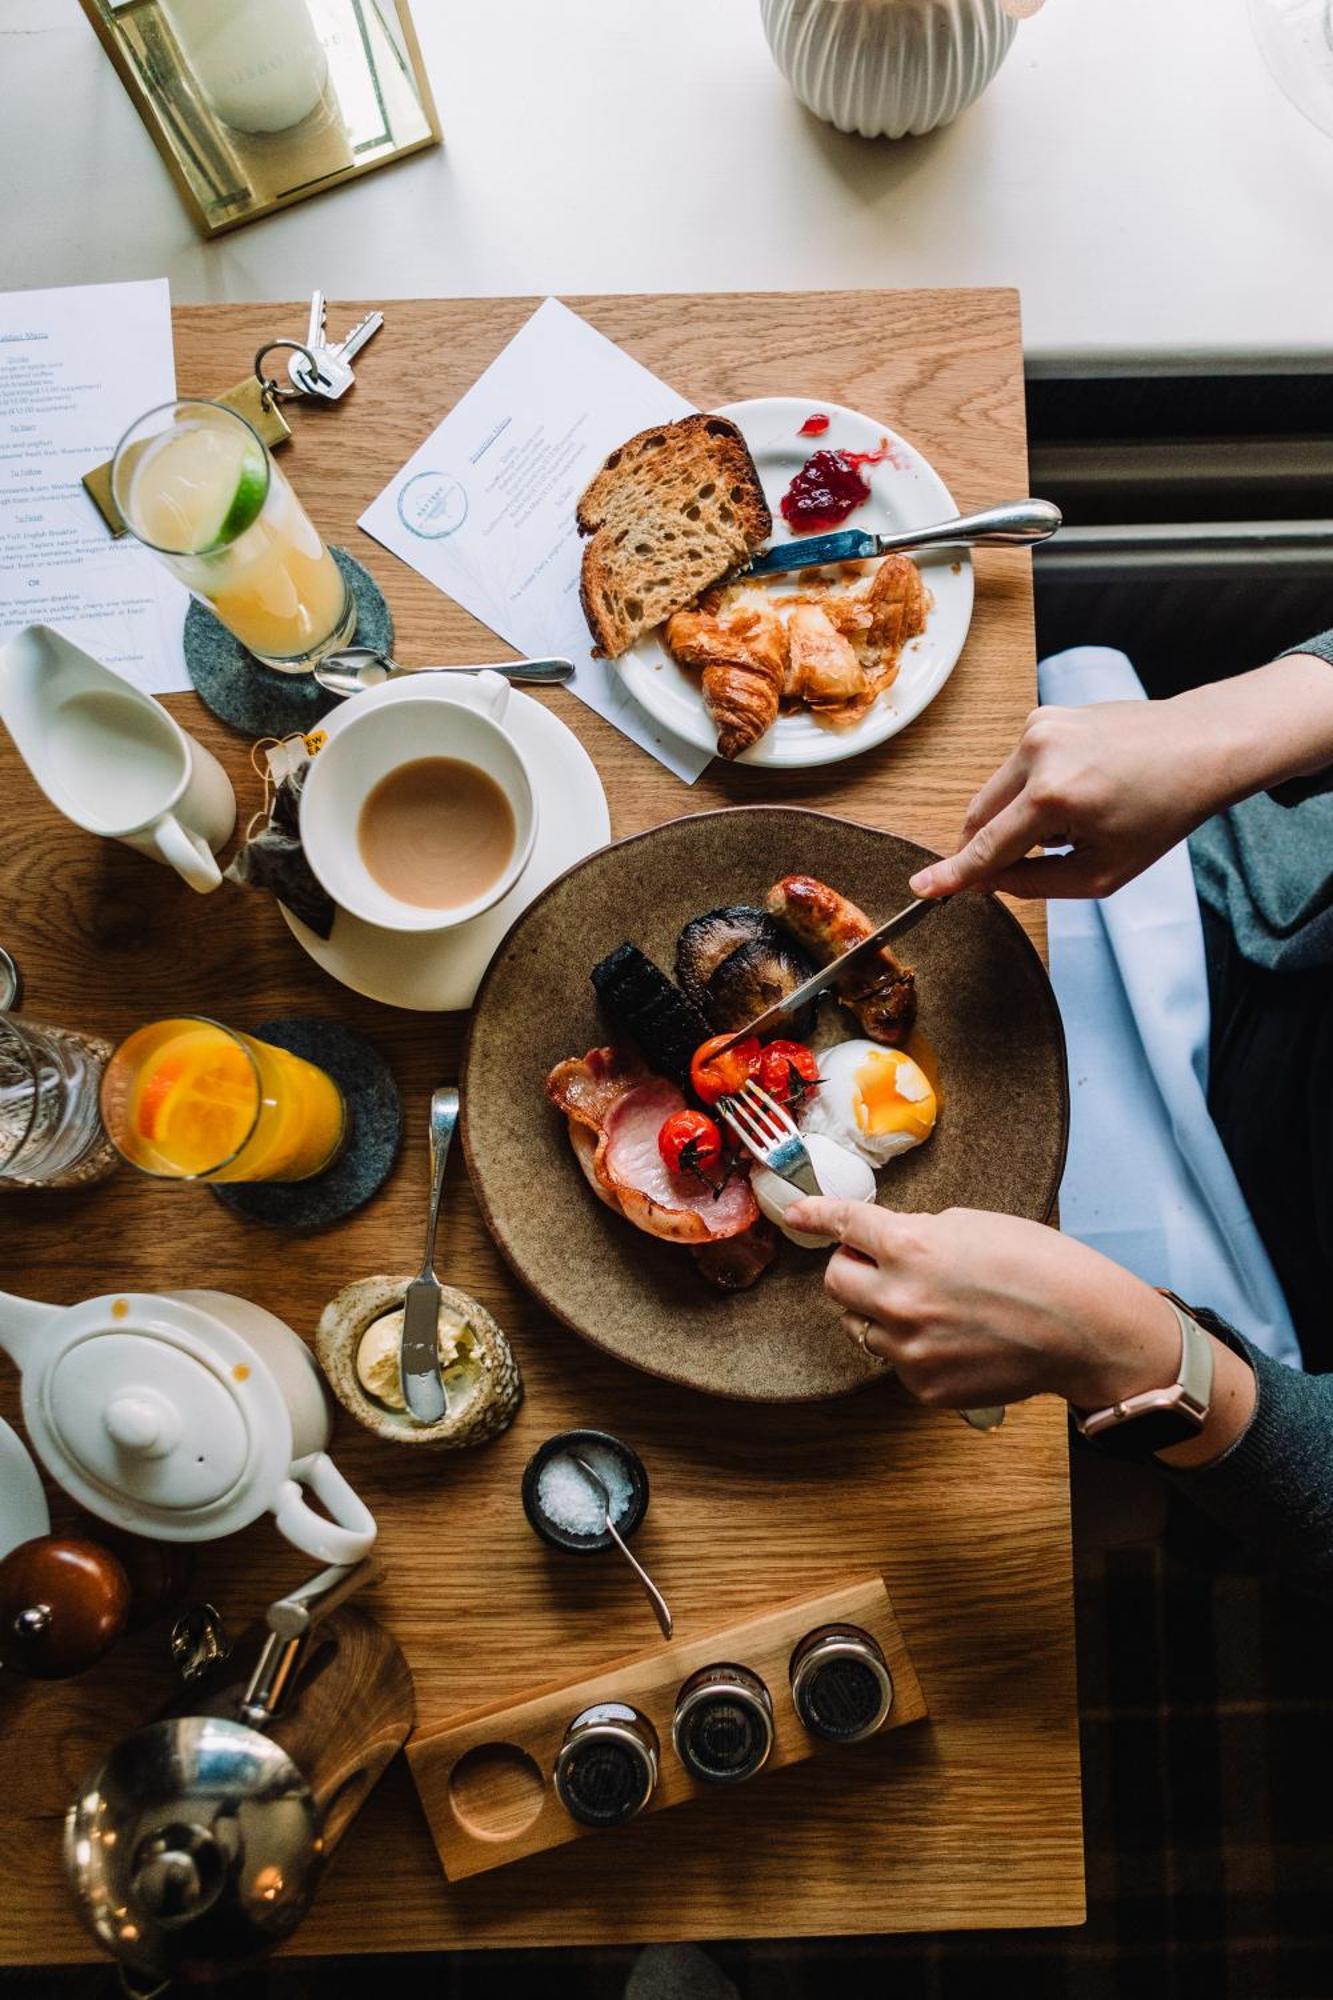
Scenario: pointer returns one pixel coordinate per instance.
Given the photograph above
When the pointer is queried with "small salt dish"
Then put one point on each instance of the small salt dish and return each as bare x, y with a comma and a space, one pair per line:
607, 1454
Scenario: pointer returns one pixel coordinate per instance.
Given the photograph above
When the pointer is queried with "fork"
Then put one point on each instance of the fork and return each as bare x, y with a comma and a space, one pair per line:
768, 1131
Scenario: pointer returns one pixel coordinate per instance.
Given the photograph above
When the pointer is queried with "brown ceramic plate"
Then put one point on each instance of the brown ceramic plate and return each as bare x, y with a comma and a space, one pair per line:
986, 1007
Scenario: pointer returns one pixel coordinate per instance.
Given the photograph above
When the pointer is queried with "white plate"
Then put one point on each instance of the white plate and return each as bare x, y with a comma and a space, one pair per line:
905, 492
439, 972
23, 1509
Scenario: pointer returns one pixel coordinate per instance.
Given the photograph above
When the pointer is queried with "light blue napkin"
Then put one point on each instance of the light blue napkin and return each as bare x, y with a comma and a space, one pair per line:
1147, 1179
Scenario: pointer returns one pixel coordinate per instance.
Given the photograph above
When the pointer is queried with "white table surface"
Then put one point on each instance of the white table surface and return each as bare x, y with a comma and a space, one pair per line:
1134, 170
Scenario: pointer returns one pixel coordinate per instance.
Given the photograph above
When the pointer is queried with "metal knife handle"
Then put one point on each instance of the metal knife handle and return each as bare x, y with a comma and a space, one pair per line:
443, 1121
1013, 523
552, 672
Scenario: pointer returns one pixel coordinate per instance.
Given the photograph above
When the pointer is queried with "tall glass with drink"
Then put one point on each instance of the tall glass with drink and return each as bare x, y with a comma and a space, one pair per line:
196, 485
187, 1099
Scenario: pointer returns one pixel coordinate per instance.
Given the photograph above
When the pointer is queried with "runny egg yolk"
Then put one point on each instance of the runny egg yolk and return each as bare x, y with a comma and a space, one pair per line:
891, 1093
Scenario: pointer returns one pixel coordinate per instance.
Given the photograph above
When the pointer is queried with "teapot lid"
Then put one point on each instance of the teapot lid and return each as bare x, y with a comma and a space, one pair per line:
156, 1415
195, 1845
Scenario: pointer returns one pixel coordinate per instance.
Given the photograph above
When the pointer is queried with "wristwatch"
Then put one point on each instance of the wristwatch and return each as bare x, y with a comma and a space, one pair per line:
1157, 1418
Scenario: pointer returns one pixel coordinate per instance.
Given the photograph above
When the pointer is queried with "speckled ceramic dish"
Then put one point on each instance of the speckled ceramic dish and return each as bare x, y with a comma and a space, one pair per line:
481, 1409
986, 1007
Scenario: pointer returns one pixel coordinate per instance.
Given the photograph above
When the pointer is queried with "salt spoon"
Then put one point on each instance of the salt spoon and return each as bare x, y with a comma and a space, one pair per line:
356, 669
655, 1597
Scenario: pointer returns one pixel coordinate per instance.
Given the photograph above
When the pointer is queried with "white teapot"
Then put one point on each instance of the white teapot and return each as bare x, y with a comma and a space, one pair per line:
183, 1416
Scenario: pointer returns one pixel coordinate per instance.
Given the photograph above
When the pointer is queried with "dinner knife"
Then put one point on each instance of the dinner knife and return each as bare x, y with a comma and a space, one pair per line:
1013, 524
819, 982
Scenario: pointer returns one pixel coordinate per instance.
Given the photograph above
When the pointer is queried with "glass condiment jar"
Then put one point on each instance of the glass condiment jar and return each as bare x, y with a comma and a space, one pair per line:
841, 1687
723, 1725
606, 1768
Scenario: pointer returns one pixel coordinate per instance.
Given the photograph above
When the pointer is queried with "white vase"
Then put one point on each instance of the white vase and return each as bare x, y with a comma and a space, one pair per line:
887, 67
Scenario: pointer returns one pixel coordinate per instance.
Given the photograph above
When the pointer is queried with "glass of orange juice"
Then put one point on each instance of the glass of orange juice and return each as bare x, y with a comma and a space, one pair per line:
189, 1100
196, 485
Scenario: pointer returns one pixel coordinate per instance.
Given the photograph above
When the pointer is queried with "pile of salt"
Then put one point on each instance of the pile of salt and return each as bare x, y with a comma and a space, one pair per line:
571, 1502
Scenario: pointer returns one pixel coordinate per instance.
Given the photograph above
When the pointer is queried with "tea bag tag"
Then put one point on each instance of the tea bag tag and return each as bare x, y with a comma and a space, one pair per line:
250, 398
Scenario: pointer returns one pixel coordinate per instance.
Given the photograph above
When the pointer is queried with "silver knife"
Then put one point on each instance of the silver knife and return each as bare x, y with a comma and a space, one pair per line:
819, 982
1013, 524
419, 1356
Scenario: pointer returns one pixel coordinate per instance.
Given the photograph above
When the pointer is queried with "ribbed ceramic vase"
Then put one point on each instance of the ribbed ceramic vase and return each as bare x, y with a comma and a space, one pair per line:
887, 67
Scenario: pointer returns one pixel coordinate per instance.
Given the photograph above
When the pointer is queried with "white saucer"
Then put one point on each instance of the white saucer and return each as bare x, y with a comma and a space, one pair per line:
23, 1509
438, 972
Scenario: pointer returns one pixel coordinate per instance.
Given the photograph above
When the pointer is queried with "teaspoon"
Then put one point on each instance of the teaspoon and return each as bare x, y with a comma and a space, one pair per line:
356, 668
655, 1597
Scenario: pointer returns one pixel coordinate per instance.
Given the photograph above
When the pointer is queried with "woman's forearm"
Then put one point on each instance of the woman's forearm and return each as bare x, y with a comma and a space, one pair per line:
1274, 1484
1256, 730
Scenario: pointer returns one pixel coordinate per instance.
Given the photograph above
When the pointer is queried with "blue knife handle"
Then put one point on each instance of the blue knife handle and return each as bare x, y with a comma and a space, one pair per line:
847, 545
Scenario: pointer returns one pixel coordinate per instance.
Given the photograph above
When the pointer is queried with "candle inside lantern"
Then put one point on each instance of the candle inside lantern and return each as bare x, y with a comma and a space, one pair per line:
259, 63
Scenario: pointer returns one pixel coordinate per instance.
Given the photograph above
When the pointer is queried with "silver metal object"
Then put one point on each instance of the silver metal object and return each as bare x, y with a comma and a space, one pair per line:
354, 669
198, 1641
660, 1607
1012, 524
290, 1622
819, 982
606, 1768
841, 1687
424, 1392
722, 1729
198, 1842
332, 375
768, 1131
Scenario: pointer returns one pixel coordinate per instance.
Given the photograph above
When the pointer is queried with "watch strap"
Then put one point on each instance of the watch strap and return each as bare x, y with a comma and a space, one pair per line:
1150, 1422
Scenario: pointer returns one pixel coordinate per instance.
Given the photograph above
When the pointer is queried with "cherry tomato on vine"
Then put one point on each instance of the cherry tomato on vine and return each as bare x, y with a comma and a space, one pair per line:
690, 1143
718, 1071
788, 1071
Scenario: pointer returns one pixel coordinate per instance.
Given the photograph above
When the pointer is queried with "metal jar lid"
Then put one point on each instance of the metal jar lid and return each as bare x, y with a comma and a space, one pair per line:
841, 1686
723, 1725
606, 1768
194, 1846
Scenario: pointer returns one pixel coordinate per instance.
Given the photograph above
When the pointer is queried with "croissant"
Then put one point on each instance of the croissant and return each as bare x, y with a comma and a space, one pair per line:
743, 657
824, 667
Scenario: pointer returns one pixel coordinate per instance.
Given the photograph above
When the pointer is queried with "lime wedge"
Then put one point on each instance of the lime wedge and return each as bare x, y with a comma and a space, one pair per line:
248, 498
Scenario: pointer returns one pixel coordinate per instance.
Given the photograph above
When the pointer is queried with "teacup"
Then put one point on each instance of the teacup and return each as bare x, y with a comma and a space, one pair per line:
382, 733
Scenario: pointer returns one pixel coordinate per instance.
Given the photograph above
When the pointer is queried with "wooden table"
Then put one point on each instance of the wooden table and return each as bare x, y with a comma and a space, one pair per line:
970, 1820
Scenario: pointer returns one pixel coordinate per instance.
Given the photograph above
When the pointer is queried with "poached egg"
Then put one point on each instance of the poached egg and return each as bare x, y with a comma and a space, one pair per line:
876, 1101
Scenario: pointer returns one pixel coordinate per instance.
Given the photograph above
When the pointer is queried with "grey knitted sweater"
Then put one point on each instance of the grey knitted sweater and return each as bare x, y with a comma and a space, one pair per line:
1266, 866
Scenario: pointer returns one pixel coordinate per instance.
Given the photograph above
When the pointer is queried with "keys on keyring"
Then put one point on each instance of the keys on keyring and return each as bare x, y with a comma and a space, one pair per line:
332, 376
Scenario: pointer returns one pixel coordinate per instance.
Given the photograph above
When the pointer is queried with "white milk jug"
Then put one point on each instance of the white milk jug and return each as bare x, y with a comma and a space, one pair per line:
111, 758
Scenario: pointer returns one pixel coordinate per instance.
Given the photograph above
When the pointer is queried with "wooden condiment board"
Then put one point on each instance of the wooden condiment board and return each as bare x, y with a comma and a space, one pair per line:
977, 1822
485, 1779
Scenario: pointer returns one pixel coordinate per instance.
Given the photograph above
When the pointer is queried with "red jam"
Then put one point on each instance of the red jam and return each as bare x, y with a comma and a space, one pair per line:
815, 426
828, 487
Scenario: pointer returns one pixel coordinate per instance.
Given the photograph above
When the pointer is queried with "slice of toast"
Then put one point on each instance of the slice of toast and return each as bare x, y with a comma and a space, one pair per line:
670, 512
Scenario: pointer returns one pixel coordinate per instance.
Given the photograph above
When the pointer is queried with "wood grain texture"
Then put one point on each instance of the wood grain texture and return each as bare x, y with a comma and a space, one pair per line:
981, 1826
536, 1725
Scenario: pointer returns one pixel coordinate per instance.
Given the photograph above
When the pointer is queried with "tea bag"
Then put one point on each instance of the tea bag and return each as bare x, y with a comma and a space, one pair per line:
272, 857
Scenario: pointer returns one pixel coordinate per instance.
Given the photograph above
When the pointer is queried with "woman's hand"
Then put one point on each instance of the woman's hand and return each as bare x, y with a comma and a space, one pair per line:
1117, 782
974, 1309
1120, 782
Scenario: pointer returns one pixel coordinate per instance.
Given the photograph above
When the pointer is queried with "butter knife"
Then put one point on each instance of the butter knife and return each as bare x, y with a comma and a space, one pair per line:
1011, 525
819, 982
419, 1356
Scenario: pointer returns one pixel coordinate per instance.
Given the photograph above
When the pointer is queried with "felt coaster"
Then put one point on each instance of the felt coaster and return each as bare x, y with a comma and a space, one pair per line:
257, 700
374, 1131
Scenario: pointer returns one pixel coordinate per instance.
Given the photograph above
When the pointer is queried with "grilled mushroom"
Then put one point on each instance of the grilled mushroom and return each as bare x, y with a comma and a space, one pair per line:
754, 977
707, 940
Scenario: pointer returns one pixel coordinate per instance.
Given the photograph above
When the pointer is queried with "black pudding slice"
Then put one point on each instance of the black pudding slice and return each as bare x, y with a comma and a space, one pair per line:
640, 1001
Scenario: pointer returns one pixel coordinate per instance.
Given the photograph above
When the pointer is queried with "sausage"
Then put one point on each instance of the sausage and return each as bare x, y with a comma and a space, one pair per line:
881, 992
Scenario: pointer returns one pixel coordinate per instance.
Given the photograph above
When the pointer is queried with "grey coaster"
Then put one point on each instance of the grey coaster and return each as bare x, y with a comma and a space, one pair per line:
255, 699
374, 1131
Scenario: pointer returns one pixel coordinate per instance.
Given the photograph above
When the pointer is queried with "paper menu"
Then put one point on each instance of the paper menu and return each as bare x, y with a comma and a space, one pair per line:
78, 364
484, 509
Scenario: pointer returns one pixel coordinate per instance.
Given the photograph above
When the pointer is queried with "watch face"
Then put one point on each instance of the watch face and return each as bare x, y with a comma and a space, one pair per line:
1140, 1437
